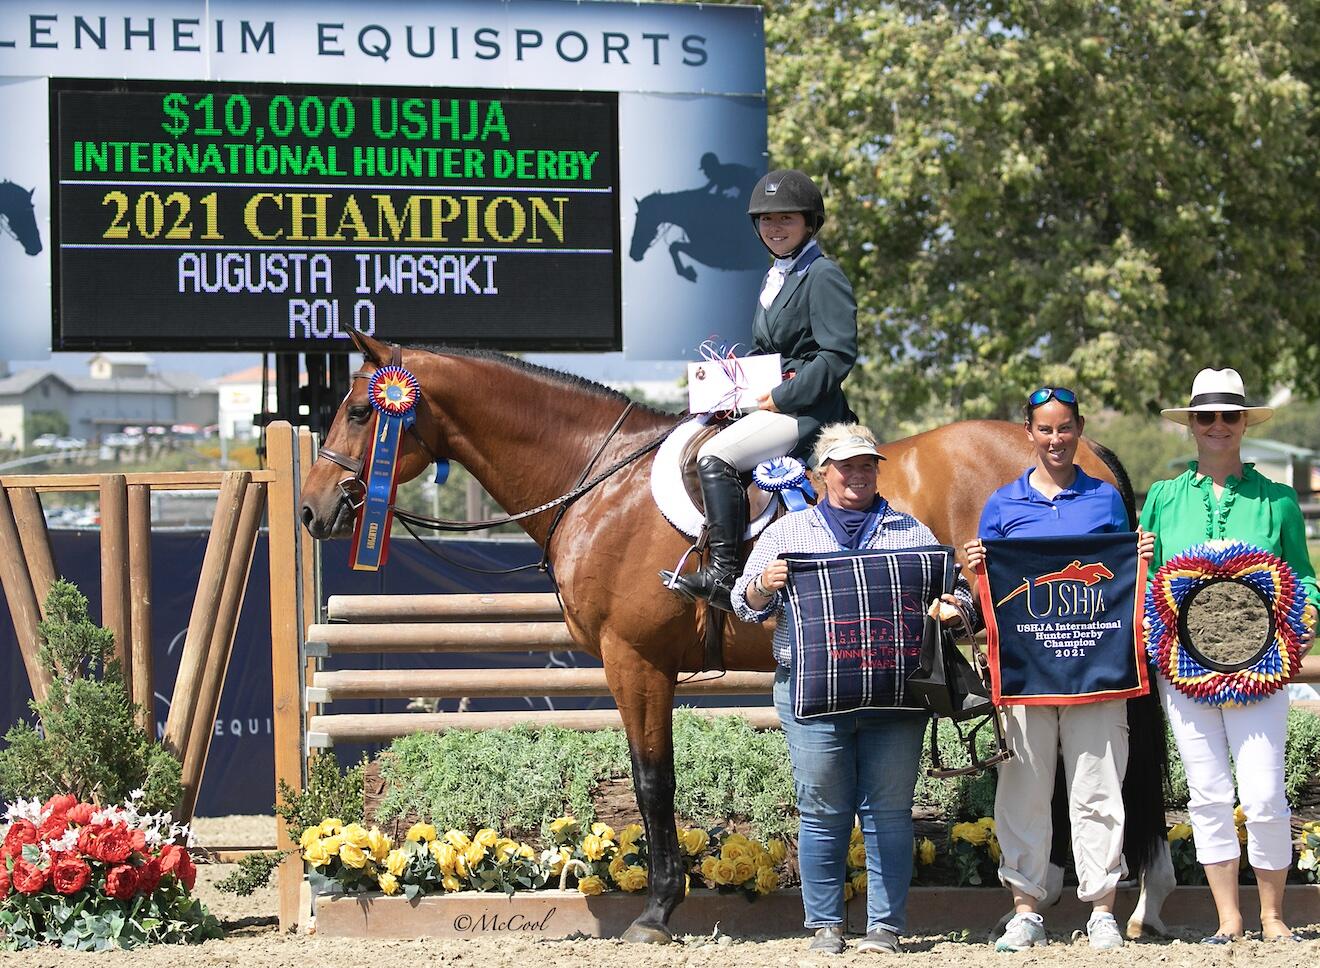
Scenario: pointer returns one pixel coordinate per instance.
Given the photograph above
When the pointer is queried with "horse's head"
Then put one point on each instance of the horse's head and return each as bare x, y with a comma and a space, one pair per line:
646, 224
19, 218
333, 489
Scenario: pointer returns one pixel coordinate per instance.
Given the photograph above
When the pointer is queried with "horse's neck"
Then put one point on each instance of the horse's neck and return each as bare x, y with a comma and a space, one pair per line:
524, 437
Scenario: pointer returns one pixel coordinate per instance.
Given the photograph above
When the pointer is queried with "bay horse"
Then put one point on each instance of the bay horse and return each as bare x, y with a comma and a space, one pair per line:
715, 224
526, 433
17, 217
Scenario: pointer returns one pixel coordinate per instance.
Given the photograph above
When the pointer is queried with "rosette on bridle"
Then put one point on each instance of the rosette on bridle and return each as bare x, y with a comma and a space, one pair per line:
393, 393
1167, 641
786, 477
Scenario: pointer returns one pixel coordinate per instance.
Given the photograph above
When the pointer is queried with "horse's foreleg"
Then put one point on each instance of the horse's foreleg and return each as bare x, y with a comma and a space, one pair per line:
645, 697
684, 270
1157, 883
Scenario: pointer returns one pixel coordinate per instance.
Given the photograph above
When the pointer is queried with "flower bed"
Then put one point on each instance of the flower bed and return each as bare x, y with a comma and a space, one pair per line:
79, 876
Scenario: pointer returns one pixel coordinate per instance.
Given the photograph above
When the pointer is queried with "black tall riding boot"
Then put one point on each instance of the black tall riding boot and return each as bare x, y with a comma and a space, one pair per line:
726, 521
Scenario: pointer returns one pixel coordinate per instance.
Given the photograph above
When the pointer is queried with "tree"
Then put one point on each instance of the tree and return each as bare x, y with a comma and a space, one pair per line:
1104, 196
39, 422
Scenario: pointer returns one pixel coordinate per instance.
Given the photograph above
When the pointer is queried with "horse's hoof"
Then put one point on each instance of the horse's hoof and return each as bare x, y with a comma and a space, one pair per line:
646, 934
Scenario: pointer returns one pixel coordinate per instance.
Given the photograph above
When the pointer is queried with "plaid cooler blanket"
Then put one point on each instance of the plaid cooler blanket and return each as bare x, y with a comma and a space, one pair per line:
855, 621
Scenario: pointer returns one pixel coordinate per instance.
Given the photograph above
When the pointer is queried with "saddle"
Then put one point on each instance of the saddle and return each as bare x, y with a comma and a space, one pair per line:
757, 499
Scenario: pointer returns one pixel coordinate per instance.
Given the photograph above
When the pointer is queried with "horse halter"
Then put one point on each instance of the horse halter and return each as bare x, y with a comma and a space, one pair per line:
354, 487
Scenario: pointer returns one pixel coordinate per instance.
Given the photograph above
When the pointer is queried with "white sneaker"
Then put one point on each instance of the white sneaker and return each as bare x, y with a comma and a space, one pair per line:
1024, 931
1102, 931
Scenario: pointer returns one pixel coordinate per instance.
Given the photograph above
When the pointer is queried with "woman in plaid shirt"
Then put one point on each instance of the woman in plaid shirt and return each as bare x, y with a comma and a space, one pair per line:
856, 764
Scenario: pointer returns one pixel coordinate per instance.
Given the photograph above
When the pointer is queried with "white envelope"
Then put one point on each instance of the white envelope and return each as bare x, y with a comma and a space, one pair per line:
732, 384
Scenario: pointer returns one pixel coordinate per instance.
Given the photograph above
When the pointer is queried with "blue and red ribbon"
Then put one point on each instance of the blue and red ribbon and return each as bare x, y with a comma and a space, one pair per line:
393, 393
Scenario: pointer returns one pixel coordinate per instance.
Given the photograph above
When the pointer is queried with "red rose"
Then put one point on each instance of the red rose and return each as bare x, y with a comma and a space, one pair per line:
81, 814
139, 840
60, 804
187, 872
28, 878
4, 880
149, 875
20, 832
69, 875
112, 845
171, 856
121, 882
54, 827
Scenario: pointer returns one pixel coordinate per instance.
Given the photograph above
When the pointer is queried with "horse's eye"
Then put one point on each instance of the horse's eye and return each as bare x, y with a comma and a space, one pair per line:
359, 413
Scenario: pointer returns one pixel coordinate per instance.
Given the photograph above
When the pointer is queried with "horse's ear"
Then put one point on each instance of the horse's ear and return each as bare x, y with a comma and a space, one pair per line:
372, 349
32, 193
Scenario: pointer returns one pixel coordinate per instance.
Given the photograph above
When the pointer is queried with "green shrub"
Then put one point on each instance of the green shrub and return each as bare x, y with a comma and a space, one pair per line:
89, 744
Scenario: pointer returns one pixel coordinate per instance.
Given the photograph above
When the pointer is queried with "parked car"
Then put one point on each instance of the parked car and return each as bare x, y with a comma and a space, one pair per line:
70, 443
45, 441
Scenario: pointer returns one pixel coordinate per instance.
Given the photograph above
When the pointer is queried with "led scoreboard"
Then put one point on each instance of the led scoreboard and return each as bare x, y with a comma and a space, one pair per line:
245, 216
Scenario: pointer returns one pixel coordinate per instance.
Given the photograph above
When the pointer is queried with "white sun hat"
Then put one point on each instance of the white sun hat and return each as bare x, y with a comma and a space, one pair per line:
1218, 390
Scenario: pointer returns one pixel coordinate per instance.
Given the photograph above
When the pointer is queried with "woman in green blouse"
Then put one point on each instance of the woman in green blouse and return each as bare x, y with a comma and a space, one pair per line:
1219, 497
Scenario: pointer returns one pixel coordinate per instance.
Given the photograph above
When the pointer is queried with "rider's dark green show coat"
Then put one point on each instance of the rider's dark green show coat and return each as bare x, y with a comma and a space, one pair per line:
812, 325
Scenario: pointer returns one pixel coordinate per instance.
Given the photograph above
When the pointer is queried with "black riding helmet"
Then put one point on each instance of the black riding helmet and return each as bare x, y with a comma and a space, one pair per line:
788, 190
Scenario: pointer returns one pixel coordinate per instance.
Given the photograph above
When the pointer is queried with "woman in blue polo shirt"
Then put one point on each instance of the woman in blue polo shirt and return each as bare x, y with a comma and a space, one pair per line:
1056, 497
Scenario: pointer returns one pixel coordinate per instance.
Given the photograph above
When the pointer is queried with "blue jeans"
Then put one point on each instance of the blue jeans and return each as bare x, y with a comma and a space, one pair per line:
860, 765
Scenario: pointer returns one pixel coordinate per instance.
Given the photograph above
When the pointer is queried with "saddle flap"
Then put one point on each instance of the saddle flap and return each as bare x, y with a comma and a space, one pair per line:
757, 499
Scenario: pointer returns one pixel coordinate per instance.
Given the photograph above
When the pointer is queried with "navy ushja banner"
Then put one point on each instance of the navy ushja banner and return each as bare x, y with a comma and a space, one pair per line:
855, 621
1063, 619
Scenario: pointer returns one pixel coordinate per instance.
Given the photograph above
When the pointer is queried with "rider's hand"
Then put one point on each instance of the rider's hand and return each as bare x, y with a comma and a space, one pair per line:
945, 608
975, 552
1145, 545
767, 402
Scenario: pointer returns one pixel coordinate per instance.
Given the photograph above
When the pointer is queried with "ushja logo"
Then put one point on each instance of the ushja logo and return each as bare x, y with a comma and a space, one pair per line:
1068, 591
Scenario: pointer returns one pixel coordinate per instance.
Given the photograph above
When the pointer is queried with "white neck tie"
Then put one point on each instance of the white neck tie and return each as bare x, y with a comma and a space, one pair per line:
774, 281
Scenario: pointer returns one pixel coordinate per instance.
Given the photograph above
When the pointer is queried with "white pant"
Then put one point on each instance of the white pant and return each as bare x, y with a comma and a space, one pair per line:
747, 441
1094, 742
1255, 735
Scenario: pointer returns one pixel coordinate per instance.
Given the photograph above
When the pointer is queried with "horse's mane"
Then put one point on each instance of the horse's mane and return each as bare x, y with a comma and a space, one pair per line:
558, 376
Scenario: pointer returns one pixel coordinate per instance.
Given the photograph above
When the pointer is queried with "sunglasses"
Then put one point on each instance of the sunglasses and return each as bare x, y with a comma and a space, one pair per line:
1062, 394
1206, 418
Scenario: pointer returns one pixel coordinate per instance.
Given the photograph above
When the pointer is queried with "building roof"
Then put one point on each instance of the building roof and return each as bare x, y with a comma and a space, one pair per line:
170, 383
124, 359
250, 375
16, 384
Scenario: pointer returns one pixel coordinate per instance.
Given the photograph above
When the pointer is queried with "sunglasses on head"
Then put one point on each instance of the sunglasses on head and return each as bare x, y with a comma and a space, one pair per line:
1207, 417
1062, 394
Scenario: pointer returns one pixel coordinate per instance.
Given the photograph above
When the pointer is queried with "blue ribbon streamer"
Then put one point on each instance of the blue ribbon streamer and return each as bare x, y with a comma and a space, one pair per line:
788, 478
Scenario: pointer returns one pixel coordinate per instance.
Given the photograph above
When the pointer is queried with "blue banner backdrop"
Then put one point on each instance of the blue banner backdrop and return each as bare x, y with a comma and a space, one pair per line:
1063, 619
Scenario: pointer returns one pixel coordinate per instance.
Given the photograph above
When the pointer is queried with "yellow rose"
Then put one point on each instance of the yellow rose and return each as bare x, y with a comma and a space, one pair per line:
630, 833
758, 854
356, 834
739, 839
1239, 815
926, 851
724, 872
563, 829
331, 825
992, 848
972, 833
332, 844
778, 851
474, 854
1306, 860
353, 856
591, 885
602, 830
527, 851
848, 892
617, 866
766, 880
445, 856
378, 844
857, 855
421, 832
856, 836
457, 839
987, 822
594, 847
396, 862
744, 869
708, 869
486, 837
732, 852
859, 882
310, 836
389, 884
316, 854
504, 849
694, 841
632, 879
1179, 831
557, 859
451, 883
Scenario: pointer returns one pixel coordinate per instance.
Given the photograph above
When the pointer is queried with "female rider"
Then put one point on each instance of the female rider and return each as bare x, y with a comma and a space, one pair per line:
806, 313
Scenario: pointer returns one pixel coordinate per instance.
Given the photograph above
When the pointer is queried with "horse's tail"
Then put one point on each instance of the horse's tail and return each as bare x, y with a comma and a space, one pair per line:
1148, 754
1120, 473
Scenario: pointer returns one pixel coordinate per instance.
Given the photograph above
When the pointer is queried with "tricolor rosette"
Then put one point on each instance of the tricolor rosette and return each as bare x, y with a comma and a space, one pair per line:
1183, 576
393, 391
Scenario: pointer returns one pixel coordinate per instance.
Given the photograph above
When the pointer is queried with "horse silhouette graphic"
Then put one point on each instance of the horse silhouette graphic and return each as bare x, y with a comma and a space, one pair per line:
707, 225
17, 218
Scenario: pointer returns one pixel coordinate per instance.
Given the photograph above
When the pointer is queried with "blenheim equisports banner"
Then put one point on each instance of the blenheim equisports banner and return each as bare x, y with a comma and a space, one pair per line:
1063, 619
855, 625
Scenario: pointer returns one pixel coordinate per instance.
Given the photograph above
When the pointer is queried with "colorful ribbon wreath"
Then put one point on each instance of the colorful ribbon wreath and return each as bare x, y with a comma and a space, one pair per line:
786, 477
393, 393
1181, 577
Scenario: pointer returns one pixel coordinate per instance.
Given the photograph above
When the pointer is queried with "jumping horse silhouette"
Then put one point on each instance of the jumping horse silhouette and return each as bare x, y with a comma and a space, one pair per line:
17, 218
527, 433
716, 226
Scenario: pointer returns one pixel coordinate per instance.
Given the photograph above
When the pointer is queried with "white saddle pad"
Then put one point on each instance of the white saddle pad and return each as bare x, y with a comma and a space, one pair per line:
671, 496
